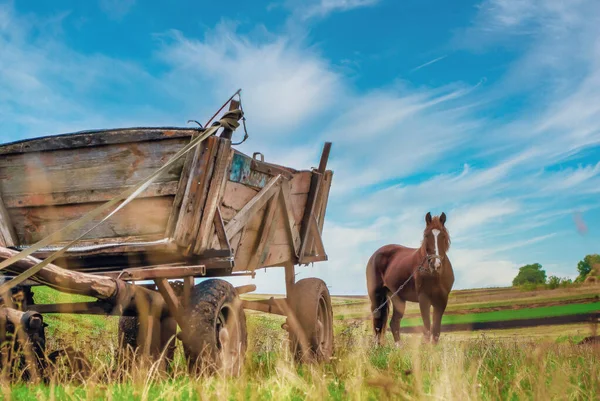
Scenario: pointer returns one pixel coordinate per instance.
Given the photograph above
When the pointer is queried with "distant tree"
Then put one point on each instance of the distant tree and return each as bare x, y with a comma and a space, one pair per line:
553, 282
585, 266
530, 274
565, 282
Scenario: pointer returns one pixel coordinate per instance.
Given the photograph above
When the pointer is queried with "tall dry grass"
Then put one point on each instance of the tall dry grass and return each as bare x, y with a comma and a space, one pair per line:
458, 368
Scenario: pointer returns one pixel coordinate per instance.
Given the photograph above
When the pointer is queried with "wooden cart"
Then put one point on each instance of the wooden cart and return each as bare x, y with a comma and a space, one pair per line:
215, 212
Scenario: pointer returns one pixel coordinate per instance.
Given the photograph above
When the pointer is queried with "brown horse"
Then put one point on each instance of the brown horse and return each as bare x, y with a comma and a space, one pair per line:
427, 276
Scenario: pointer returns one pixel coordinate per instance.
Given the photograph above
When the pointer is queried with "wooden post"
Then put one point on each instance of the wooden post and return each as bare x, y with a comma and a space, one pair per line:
216, 188
290, 279
194, 197
172, 301
311, 203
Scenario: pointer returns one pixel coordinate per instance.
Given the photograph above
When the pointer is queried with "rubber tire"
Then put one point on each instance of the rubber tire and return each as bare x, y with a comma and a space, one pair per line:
128, 332
311, 303
202, 346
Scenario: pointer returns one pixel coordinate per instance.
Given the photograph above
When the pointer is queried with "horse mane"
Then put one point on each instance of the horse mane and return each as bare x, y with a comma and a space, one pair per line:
437, 224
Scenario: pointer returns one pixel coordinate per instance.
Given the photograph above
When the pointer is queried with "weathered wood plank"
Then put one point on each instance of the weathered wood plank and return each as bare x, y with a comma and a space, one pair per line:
87, 169
300, 183
95, 138
313, 198
186, 297
161, 272
278, 252
270, 169
253, 206
308, 212
236, 196
290, 221
201, 196
172, 302
114, 246
141, 216
322, 197
181, 190
86, 196
214, 196
316, 238
326, 189
193, 201
8, 236
266, 235
221, 239
242, 172
278, 256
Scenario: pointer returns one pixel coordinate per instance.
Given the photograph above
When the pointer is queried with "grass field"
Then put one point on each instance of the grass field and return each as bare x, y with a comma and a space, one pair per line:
535, 363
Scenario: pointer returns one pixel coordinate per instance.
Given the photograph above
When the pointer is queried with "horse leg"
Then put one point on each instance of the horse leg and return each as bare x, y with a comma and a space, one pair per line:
399, 307
425, 306
438, 311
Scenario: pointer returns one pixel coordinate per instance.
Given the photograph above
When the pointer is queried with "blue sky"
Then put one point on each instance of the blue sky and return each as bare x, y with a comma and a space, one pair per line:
486, 110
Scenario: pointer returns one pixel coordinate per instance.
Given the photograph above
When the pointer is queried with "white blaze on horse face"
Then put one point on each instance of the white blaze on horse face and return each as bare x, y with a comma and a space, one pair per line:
437, 262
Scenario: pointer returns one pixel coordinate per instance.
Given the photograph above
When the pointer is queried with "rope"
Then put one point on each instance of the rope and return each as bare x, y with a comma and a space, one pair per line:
395, 293
128, 195
243, 122
399, 288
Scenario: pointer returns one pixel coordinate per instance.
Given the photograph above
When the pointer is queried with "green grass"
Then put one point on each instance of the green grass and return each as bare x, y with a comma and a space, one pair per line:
546, 311
477, 368
519, 364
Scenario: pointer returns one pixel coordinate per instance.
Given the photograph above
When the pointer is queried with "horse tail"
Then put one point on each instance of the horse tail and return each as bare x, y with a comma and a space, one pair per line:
377, 294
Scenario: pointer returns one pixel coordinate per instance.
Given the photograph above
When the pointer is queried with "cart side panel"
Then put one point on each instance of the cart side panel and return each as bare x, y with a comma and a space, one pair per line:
141, 218
245, 244
44, 191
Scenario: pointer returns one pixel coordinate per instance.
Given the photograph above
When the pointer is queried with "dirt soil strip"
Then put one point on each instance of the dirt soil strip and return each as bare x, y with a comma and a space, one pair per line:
513, 324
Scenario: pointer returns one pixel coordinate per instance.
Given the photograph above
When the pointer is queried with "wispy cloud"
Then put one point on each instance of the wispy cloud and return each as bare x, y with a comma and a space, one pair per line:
283, 85
322, 8
116, 9
435, 60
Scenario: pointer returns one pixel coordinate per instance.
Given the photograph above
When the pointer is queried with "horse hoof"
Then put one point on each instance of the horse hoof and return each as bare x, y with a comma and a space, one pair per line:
397, 344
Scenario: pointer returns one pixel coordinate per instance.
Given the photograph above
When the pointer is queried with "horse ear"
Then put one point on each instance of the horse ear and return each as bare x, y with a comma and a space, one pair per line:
443, 218
428, 218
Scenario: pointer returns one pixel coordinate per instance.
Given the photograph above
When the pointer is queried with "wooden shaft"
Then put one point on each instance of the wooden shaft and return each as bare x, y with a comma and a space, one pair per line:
115, 291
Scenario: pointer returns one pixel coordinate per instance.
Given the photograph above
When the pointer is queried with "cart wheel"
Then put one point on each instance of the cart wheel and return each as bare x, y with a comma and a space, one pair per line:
129, 327
311, 304
216, 337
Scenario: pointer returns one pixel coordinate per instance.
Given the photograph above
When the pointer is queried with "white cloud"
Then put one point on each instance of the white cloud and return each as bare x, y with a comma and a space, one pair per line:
116, 9
322, 8
283, 84
471, 217
430, 62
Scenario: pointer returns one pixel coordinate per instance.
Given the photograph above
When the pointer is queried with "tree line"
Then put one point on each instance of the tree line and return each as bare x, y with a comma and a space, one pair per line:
533, 274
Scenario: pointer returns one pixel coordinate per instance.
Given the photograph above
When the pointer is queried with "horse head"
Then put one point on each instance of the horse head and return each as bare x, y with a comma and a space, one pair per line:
436, 240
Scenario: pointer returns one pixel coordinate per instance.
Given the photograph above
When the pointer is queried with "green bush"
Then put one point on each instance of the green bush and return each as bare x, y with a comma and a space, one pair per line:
553, 282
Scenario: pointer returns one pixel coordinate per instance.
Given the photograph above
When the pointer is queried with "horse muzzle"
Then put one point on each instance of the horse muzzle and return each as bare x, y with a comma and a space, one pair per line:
435, 262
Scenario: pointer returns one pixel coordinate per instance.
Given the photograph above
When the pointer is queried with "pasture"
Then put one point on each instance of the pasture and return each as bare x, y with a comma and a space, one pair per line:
533, 363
